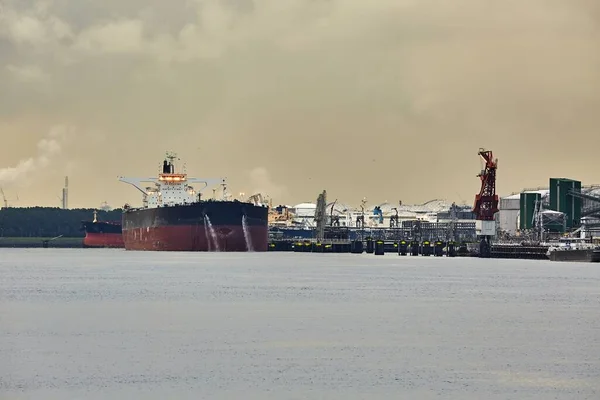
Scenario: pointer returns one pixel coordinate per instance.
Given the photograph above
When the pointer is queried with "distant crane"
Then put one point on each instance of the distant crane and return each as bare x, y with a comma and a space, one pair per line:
486, 202
394, 219
321, 215
334, 219
451, 231
360, 219
4, 198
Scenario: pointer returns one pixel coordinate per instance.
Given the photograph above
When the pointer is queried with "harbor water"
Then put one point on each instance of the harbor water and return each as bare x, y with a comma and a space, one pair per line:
113, 324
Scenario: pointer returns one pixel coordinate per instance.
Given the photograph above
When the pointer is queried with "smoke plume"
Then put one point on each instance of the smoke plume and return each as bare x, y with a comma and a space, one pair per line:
48, 148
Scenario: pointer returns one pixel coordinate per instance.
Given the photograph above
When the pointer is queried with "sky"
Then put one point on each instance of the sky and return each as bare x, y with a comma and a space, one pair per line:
385, 99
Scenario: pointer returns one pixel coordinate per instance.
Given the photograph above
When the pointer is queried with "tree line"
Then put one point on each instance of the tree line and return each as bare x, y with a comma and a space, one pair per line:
50, 221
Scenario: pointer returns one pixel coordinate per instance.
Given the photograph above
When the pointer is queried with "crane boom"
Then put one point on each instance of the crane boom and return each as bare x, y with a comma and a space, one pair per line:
486, 202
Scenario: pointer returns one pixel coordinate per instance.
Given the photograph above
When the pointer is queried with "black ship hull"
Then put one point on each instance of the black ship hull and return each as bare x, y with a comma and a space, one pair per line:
203, 226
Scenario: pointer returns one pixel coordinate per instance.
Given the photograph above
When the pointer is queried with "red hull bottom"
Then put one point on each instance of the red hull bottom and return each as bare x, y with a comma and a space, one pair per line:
196, 238
113, 240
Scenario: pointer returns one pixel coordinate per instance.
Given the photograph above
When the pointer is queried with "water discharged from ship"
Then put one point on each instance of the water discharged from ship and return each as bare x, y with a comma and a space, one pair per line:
210, 234
247, 237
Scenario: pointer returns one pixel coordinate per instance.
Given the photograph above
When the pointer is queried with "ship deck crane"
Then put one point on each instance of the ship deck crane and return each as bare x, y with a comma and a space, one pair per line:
486, 202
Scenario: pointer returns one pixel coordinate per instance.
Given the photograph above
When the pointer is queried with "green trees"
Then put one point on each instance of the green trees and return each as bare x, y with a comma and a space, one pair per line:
49, 221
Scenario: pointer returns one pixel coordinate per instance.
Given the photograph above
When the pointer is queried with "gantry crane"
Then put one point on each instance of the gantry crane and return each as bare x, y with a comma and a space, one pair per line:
486, 202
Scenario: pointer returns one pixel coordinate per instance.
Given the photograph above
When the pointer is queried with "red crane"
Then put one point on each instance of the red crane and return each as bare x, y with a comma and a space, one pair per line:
486, 202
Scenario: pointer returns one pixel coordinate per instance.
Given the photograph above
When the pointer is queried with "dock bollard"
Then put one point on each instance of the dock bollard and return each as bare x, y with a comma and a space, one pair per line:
402, 248
356, 247
307, 246
438, 249
414, 248
370, 246
317, 247
451, 250
426, 249
379, 248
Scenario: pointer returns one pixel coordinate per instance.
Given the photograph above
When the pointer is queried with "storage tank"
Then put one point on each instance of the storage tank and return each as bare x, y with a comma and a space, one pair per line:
305, 209
562, 201
508, 214
527, 209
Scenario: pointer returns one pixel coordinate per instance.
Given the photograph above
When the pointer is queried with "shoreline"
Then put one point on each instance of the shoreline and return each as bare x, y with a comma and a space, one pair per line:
38, 242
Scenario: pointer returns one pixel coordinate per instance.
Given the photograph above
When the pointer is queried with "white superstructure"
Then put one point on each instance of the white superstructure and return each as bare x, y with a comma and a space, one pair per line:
171, 188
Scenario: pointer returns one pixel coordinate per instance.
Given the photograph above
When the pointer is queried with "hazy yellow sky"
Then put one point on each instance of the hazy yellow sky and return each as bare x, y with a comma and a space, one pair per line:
388, 99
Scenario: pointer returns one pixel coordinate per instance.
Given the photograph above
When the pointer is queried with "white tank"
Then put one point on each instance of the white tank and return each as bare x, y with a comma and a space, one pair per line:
305, 209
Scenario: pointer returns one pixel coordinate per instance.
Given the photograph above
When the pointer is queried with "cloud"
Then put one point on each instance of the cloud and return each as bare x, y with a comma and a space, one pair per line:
261, 182
28, 73
384, 99
119, 37
33, 27
28, 30
48, 148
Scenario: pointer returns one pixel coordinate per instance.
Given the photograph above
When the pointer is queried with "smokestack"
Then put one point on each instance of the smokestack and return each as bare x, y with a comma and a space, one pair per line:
65, 194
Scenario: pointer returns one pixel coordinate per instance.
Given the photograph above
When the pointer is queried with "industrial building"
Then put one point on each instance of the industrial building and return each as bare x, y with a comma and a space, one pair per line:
565, 206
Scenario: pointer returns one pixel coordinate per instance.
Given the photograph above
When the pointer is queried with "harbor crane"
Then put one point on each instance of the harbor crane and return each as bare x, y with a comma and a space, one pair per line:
5, 201
4, 198
334, 219
486, 202
321, 215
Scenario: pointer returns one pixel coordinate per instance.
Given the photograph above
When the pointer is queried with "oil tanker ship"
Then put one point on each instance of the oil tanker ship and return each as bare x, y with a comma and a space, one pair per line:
174, 217
102, 233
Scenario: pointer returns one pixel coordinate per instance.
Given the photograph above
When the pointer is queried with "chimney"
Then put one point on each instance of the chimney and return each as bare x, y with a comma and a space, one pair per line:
65, 194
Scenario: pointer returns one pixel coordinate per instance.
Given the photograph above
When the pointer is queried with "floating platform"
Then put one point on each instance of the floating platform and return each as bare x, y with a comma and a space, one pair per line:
529, 252
460, 231
373, 246
407, 247
576, 255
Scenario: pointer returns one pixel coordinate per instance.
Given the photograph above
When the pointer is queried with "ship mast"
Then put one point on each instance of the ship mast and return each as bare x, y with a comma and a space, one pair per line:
170, 156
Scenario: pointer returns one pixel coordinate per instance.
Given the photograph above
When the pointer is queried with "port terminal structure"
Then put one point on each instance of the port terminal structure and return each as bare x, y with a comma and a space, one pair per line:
565, 208
412, 237
416, 237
